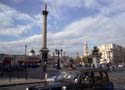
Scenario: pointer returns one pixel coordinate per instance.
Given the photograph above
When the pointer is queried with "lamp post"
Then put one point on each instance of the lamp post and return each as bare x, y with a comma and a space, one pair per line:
64, 53
58, 52
61, 52
25, 51
26, 63
61, 62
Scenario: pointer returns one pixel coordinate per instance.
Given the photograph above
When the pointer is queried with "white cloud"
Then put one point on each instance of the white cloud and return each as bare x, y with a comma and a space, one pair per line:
15, 31
5, 20
67, 3
17, 47
38, 20
18, 1
91, 3
97, 30
105, 7
9, 26
9, 19
57, 7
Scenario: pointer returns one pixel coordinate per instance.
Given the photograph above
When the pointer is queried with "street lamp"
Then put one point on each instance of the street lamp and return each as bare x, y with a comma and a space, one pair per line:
26, 63
25, 51
58, 52
64, 53
61, 52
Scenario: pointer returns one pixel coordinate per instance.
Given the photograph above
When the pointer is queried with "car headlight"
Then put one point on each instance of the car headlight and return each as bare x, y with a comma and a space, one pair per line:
63, 87
27, 88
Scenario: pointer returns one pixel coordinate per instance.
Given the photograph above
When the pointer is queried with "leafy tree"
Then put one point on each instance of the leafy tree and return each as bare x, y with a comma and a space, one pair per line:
77, 60
85, 59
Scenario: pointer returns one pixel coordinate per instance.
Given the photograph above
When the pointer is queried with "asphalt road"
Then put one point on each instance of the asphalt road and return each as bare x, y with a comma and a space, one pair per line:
117, 75
23, 87
32, 73
19, 87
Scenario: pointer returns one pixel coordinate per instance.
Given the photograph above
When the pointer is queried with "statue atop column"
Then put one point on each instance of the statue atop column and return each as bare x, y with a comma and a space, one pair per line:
95, 57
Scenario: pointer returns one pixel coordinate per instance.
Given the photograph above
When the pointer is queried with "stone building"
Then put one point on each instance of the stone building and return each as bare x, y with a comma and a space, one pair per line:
85, 49
30, 59
112, 53
8, 59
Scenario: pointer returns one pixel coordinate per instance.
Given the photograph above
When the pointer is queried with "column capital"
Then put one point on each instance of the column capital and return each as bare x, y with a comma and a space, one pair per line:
45, 12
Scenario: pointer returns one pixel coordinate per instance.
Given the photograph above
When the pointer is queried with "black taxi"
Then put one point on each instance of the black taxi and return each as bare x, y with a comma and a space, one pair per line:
78, 79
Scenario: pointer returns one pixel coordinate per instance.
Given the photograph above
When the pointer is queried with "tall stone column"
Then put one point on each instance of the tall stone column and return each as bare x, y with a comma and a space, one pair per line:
44, 28
44, 51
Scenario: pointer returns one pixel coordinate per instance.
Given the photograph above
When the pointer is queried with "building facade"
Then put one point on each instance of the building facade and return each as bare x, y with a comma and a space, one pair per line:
31, 59
7, 59
112, 53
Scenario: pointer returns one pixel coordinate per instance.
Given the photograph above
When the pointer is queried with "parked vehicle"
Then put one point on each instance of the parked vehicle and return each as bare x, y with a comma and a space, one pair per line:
80, 79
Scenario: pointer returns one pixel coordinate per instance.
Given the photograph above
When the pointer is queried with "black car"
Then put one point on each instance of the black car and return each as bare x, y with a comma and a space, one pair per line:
80, 79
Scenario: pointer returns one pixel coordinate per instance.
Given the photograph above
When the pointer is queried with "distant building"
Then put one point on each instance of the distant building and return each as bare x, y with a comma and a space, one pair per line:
112, 53
8, 59
85, 49
31, 53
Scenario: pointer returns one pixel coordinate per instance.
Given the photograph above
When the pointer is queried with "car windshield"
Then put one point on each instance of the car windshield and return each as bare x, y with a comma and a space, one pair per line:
67, 76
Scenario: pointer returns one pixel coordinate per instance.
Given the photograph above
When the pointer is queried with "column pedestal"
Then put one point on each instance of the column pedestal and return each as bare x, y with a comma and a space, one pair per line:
44, 54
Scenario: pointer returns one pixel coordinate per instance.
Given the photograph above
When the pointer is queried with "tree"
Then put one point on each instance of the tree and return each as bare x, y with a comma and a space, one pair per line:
90, 59
85, 59
77, 60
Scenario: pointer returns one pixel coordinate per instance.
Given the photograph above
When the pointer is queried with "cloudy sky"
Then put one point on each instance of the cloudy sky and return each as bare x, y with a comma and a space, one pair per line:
70, 23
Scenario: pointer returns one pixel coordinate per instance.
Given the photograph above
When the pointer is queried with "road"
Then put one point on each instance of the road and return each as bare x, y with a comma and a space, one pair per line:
33, 73
23, 87
19, 87
116, 76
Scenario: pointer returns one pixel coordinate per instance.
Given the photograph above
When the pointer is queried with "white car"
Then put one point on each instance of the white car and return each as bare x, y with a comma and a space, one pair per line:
120, 65
51, 79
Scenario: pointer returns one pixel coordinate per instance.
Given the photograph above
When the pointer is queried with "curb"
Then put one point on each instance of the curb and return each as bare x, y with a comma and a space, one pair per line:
13, 84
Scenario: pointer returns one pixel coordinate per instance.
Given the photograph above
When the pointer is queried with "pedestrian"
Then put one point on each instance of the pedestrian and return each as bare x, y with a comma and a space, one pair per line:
108, 67
113, 67
93, 66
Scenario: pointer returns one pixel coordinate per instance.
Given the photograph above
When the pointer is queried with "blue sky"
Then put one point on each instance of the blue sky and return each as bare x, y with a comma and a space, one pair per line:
70, 23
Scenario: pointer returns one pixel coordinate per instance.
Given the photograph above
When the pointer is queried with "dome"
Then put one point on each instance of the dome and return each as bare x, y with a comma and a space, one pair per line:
32, 53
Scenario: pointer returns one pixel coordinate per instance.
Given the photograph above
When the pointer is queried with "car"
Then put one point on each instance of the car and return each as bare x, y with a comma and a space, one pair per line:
51, 79
120, 65
78, 79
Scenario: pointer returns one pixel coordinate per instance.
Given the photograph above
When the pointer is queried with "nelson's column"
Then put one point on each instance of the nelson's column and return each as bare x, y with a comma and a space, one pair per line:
44, 51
